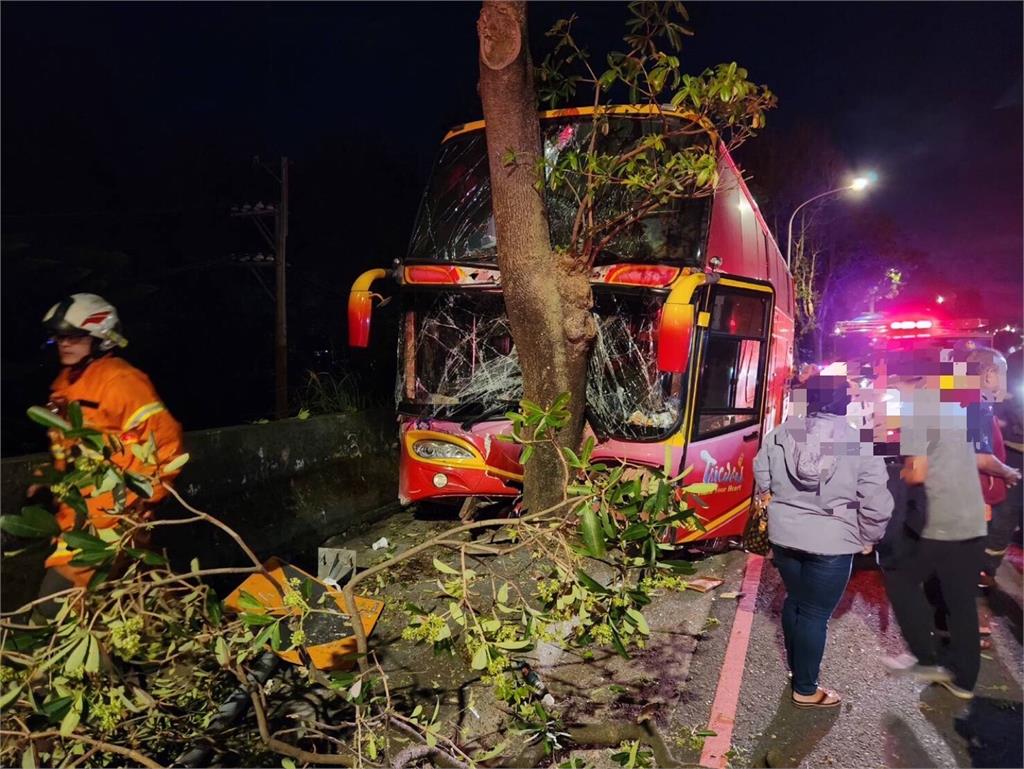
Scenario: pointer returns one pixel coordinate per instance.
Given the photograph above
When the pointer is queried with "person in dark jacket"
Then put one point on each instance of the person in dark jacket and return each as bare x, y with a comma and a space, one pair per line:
827, 501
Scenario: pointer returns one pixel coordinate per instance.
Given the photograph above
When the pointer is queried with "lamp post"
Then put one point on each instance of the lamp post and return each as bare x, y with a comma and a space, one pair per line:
857, 184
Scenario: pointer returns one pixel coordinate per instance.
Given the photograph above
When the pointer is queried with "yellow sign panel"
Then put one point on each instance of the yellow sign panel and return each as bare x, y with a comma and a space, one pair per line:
329, 637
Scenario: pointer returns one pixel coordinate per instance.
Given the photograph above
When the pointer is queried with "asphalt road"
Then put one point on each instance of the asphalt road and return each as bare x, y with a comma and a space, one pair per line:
884, 721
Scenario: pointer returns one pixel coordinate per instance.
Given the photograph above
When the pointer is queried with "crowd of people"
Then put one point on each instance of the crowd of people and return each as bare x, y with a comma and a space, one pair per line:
902, 457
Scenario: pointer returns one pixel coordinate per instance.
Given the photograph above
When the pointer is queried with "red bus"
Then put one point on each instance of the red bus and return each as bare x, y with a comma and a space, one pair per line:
694, 308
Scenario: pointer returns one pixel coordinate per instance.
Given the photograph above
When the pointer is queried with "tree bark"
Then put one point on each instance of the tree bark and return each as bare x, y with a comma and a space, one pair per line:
547, 295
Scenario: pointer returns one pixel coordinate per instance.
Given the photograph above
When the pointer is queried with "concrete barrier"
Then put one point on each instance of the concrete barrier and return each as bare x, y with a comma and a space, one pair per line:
285, 486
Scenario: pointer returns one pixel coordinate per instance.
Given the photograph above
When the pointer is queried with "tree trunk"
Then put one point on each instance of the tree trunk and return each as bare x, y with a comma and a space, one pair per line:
547, 299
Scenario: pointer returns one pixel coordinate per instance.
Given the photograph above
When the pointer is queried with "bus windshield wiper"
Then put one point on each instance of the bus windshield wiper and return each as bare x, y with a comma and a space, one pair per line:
486, 414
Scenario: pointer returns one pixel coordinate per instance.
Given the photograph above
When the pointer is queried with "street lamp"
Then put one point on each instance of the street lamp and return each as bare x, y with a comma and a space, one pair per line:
857, 184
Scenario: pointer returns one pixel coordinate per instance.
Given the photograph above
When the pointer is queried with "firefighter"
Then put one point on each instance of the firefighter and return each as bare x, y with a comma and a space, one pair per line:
117, 399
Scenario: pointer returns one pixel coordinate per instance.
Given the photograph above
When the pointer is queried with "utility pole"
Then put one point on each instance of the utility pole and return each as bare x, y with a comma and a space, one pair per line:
279, 244
281, 325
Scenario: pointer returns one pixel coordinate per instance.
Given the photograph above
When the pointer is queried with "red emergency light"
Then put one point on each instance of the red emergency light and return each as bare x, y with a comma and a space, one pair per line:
901, 325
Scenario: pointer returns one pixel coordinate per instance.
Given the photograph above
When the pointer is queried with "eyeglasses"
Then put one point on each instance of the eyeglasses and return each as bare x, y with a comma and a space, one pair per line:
67, 338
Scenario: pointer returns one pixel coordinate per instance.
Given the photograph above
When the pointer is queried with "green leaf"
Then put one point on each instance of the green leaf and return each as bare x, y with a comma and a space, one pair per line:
514, 646
27, 640
480, 658
148, 557
47, 418
248, 601
80, 540
76, 659
56, 709
92, 656
221, 652
444, 568
28, 758
175, 463
638, 620
494, 752
93, 558
30, 525
75, 415
214, 608
72, 717
287, 763
590, 532
306, 588
590, 583
700, 488
635, 531
571, 458
617, 644
264, 636
661, 498
10, 695
250, 620
527, 453
679, 567
110, 480
140, 484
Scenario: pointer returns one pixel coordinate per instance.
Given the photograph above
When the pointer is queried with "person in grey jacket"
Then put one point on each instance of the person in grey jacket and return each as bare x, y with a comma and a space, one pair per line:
827, 500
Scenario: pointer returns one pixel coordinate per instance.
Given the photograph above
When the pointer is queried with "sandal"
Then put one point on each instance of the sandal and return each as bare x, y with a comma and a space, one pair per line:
824, 698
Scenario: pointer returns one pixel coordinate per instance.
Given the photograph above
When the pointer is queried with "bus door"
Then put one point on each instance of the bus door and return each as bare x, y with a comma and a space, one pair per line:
727, 401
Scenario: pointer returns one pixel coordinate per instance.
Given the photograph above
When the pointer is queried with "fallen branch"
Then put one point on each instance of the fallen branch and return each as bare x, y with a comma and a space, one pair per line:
139, 758
348, 591
284, 749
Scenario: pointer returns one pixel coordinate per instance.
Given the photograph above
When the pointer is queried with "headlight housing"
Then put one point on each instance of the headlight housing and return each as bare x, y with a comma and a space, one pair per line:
440, 450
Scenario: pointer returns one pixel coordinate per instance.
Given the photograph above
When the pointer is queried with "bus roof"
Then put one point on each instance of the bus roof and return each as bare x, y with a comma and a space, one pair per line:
618, 109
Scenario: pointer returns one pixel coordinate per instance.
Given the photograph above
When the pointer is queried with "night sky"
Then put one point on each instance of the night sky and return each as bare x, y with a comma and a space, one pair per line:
129, 131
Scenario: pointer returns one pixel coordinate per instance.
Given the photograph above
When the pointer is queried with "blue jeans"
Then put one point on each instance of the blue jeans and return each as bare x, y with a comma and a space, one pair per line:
814, 585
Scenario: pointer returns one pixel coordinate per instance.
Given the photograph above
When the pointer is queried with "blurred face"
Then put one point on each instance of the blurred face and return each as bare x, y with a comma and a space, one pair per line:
993, 384
72, 349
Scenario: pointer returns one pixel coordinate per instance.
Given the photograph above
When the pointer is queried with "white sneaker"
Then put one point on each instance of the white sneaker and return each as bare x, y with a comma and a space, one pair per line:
907, 665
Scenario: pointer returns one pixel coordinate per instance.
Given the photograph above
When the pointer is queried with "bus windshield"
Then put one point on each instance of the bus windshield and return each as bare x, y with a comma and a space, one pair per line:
459, 362
455, 222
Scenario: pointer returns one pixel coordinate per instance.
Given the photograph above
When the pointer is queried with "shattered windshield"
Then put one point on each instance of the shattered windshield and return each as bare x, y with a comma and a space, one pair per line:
627, 397
459, 362
455, 222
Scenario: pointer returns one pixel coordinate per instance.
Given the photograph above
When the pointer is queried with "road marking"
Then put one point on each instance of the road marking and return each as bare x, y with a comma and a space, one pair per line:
727, 695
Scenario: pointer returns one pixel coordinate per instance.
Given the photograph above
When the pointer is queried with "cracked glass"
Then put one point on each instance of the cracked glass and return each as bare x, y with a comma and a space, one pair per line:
459, 363
455, 223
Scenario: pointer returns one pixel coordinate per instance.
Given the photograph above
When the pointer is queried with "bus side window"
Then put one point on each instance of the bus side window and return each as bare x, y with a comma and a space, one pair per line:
733, 371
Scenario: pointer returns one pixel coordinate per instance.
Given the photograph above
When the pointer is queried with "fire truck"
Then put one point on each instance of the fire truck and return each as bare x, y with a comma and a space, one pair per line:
907, 330
865, 344
694, 350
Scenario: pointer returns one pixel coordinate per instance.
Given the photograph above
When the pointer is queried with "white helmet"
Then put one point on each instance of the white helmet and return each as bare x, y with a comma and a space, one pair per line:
86, 315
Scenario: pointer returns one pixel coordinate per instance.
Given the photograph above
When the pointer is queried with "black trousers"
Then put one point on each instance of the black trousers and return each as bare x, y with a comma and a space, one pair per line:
955, 565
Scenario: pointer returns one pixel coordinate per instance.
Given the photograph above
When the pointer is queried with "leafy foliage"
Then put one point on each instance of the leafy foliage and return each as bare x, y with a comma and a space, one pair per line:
675, 158
141, 659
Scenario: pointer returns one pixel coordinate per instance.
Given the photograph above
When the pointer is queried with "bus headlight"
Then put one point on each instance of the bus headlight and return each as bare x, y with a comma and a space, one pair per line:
440, 450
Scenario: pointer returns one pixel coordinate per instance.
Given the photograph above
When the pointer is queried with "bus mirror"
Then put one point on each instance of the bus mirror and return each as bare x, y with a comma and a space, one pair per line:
360, 308
674, 334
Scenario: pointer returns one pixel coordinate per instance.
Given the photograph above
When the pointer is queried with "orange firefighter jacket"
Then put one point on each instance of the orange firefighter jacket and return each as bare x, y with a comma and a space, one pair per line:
116, 399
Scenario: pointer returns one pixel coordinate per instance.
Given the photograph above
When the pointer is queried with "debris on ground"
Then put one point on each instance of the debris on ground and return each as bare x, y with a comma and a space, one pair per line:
703, 584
